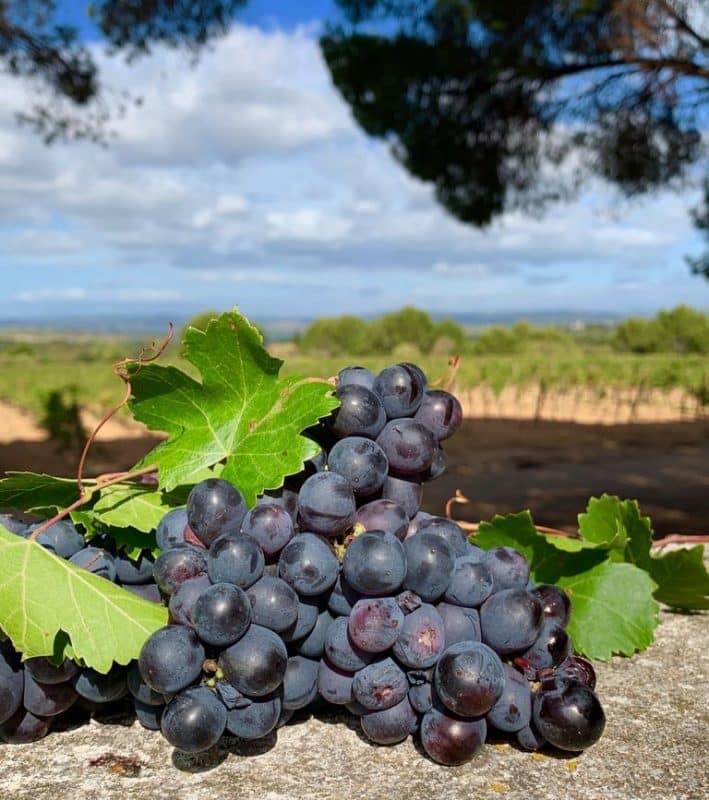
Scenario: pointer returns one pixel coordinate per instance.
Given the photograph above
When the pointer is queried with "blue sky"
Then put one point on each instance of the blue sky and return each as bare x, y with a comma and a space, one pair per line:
245, 181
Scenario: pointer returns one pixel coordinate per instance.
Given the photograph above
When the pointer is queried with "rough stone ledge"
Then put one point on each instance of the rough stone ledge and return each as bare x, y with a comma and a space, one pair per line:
654, 748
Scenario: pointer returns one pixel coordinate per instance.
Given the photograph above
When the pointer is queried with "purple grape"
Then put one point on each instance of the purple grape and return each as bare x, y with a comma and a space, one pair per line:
440, 412
471, 583
361, 412
313, 645
401, 388
148, 591
274, 604
23, 727
460, 624
271, 526
529, 738
375, 564
383, 515
511, 620
308, 564
42, 670
390, 725
215, 508
555, 602
140, 689
171, 659
308, 612
449, 740
284, 498
513, 709
570, 717
450, 531
95, 560
16, 526
341, 651
171, 529
469, 678
300, 683
422, 638
236, 559
374, 624
99, 687
183, 599
255, 720
175, 566
361, 462
194, 720
417, 522
48, 699
550, 648
61, 538
221, 614
405, 493
509, 569
360, 376
579, 669
256, 664
409, 447
421, 696
438, 465
334, 684
326, 504
430, 561
150, 717
342, 597
380, 685
133, 572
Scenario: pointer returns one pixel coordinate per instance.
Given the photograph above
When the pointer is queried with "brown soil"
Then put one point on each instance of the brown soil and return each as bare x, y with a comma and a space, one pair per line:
502, 465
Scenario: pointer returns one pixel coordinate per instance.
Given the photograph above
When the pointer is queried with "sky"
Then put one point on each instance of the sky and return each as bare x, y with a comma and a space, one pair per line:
244, 181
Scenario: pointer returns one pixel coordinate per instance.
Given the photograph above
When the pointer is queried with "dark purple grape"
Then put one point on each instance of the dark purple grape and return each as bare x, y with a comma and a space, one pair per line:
99, 687
284, 498
374, 624
360, 376
140, 689
529, 738
148, 591
326, 504
375, 564
409, 447
23, 727
235, 559
450, 531
460, 624
440, 412
449, 740
550, 648
511, 620
42, 670
177, 565
194, 720
148, 716
48, 699
570, 717
361, 412
95, 560
308, 612
438, 465
308, 564
313, 645
257, 719
422, 638
342, 597
390, 725
555, 602
421, 696
61, 538
417, 522
341, 651
579, 669
129, 571
509, 569
334, 684
221, 614
471, 583
183, 599
215, 508
401, 389
274, 604
513, 709
469, 678
16, 526
430, 561
380, 685
256, 664
383, 515
405, 493
271, 526
300, 683
171, 528
361, 462
171, 659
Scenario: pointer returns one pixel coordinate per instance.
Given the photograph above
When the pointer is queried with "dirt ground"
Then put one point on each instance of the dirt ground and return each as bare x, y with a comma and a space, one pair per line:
502, 465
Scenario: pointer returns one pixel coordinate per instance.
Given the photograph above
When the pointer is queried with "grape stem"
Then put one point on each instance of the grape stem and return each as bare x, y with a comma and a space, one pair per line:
473, 527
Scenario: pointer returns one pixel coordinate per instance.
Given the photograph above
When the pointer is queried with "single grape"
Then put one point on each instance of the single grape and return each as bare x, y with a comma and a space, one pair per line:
255, 664
222, 614
326, 504
61, 538
340, 649
308, 612
101, 688
471, 583
421, 696
469, 678
42, 669
342, 597
11, 681
460, 624
555, 602
430, 561
375, 564
48, 699
374, 624
215, 508
513, 709
334, 684
148, 591
150, 717
529, 738
194, 720
390, 725
570, 717
383, 515
361, 376
578, 669
511, 620
178, 564
16, 526
183, 599
422, 638
360, 413
134, 571
550, 648
440, 412
401, 389
409, 447
284, 498
257, 719
23, 727
438, 465
274, 604
380, 685
308, 564
95, 560
171, 659
416, 523
271, 526
140, 689
171, 528
300, 683
509, 569
361, 462
235, 559
405, 493
313, 645
449, 740
450, 531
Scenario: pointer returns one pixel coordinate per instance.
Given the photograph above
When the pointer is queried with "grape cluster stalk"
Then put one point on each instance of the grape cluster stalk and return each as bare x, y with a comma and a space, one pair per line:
335, 590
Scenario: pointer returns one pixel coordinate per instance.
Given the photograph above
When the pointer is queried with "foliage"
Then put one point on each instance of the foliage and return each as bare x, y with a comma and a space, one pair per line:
62, 419
681, 330
479, 98
700, 216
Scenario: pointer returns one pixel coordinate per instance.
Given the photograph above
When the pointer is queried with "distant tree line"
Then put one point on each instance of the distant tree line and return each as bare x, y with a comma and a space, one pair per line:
681, 330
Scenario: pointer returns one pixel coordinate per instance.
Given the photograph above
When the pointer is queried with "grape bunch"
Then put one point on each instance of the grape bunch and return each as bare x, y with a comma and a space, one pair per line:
337, 591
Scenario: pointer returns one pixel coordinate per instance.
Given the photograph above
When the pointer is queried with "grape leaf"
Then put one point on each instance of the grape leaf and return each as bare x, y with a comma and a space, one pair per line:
44, 599
241, 412
613, 610
132, 505
681, 577
604, 523
43, 495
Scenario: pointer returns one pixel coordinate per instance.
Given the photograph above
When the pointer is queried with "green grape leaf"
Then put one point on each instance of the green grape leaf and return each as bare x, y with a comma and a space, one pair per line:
604, 523
681, 578
43, 495
613, 610
132, 505
45, 599
241, 413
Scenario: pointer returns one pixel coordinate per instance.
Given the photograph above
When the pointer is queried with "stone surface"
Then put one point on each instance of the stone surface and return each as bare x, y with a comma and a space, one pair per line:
655, 747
